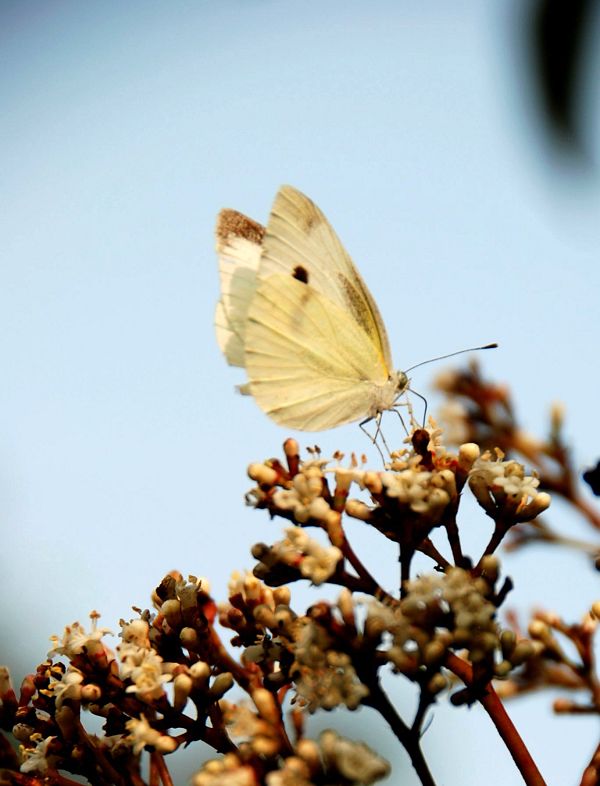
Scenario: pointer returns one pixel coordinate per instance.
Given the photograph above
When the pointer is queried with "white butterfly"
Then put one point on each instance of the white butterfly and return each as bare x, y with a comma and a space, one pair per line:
295, 312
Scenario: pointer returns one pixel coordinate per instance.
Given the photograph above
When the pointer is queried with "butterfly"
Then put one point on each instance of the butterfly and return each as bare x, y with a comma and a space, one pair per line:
296, 314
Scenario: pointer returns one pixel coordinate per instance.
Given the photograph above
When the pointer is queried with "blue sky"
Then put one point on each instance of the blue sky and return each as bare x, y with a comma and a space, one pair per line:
126, 127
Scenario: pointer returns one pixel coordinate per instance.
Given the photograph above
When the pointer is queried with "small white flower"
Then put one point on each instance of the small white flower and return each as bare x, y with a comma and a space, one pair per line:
35, 759
76, 639
69, 687
305, 498
315, 562
141, 734
145, 668
136, 632
501, 484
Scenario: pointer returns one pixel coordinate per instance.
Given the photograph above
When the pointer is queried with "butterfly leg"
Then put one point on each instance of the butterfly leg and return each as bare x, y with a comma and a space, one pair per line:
373, 439
424, 400
395, 409
378, 433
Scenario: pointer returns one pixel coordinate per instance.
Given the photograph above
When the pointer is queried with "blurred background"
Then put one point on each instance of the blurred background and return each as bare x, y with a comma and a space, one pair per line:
454, 147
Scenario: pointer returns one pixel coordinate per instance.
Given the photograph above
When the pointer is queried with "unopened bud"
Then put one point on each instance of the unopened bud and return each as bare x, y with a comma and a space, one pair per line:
221, 684
468, 455
523, 651
503, 669
538, 504
90, 692
171, 610
490, 568
309, 751
263, 475
508, 640
22, 732
346, 606
264, 616
433, 653
358, 510
372, 482
182, 686
481, 492
265, 746
282, 596
437, 683
563, 706
333, 525
199, 672
188, 638
539, 630
266, 705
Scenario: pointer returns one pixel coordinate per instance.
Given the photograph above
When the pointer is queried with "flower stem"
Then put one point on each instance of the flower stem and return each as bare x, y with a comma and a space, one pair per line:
409, 738
495, 709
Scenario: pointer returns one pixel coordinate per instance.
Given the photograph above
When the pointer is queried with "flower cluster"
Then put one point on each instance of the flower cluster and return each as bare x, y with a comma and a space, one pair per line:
332, 759
173, 680
452, 611
504, 491
324, 677
563, 657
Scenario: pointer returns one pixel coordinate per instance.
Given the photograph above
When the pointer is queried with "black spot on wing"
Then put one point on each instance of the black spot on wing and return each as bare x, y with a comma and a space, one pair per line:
300, 273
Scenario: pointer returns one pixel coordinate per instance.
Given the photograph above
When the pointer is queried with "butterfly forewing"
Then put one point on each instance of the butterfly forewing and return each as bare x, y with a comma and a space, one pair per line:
301, 242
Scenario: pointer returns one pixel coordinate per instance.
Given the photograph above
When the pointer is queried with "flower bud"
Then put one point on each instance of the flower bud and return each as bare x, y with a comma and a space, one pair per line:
182, 687
531, 510
437, 683
333, 525
468, 455
90, 692
266, 705
433, 653
199, 672
171, 610
508, 641
282, 596
263, 475
503, 669
522, 652
358, 510
221, 684
308, 750
189, 639
372, 482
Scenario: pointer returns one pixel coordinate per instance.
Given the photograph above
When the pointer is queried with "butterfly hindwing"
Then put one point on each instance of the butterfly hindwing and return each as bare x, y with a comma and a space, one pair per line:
239, 241
310, 365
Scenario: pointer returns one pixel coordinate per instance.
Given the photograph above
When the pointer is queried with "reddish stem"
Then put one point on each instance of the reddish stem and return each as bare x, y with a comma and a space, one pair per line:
495, 709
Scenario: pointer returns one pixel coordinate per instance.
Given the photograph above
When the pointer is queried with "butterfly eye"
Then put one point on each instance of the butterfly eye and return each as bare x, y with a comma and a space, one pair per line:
300, 274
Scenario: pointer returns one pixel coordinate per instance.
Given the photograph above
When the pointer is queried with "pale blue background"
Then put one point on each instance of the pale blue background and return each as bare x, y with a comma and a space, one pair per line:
125, 127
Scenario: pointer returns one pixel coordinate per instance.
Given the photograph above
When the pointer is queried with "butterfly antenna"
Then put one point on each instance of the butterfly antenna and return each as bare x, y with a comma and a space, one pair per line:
451, 355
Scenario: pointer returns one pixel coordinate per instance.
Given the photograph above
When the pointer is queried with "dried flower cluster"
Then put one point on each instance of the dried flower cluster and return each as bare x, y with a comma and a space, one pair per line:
175, 677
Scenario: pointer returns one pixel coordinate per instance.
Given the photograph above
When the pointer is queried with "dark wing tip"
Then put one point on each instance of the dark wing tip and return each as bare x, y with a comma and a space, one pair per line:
231, 223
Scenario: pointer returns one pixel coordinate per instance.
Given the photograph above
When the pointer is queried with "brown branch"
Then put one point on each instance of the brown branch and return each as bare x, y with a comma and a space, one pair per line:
495, 709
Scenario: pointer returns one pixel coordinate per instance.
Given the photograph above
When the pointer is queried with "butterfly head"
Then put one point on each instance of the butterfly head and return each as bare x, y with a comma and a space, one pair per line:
400, 382
389, 393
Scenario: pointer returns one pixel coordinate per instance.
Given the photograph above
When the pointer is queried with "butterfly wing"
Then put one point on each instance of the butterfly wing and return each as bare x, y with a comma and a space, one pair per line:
239, 241
300, 242
310, 363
